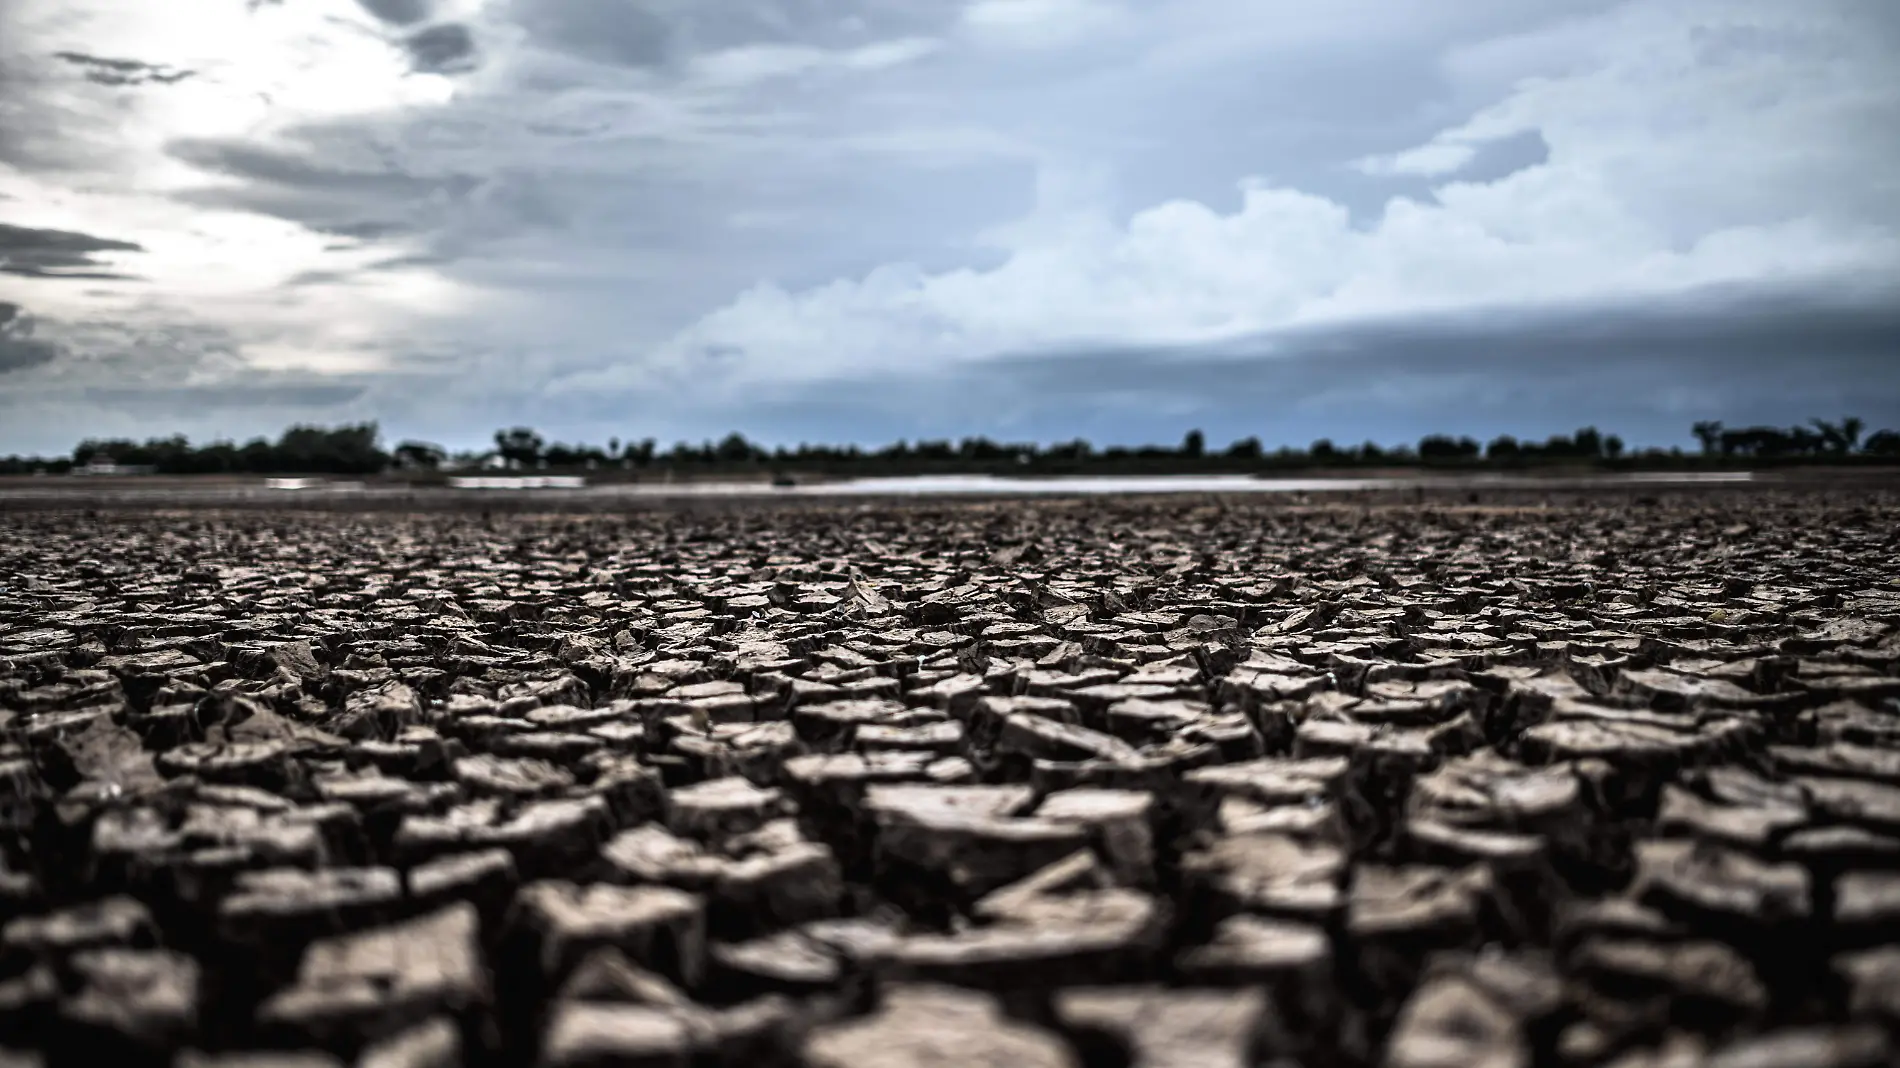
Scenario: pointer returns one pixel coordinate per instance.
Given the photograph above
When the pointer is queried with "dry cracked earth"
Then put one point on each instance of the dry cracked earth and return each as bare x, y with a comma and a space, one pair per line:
1608, 781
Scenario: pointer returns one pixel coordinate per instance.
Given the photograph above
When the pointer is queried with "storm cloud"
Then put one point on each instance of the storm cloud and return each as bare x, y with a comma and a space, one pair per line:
19, 349
36, 253
1647, 370
866, 219
234, 395
399, 12
440, 49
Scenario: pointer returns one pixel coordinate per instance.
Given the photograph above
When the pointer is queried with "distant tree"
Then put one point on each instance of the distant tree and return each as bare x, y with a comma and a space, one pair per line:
1588, 442
982, 450
1882, 443
1559, 445
734, 448
257, 456
420, 455
1076, 451
1438, 448
219, 457
173, 455
1770, 443
88, 450
1839, 438
349, 449
354, 448
520, 446
33, 465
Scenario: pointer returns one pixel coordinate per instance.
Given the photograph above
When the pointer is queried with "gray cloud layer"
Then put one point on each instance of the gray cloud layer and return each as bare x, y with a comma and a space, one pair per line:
36, 253
1648, 371
18, 348
115, 72
446, 48
875, 218
399, 12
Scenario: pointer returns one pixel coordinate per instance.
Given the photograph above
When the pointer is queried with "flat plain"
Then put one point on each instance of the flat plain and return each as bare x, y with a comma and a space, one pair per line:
1411, 779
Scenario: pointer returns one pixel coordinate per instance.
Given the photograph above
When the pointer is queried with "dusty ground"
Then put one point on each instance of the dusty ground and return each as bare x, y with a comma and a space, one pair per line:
1564, 779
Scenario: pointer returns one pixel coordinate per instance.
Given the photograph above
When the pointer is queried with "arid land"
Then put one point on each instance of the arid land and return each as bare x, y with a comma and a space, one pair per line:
1467, 775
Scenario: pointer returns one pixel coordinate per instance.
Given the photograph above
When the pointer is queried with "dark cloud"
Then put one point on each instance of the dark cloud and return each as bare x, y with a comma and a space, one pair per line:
236, 395
350, 182
1505, 156
650, 33
316, 278
117, 72
38, 122
400, 12
1644, 372
397, 263
393, 263
274, 166
362, 231
30, 271
57, 253
312, 188
442, 49
19, 349
605, 31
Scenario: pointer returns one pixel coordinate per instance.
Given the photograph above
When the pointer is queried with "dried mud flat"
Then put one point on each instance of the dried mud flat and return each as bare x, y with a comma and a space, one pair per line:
1157, 783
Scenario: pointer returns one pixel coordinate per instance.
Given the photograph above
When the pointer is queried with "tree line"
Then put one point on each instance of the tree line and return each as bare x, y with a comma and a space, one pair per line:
356, 449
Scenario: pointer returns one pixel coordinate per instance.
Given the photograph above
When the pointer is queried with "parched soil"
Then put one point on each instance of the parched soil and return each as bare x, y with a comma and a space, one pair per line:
1181, 783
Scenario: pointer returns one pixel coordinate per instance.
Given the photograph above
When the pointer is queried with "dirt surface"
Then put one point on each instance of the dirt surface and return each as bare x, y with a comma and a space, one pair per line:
1417, 781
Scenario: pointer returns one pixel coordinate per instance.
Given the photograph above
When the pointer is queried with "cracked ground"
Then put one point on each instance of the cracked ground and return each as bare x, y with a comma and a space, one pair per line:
1588, 780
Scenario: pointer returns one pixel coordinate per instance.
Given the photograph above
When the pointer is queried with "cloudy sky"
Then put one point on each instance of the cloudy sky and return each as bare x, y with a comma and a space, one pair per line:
855, 220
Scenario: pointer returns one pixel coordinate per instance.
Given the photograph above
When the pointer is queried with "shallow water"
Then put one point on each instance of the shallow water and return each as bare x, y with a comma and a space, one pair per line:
935, 485
1085, 485
568, 487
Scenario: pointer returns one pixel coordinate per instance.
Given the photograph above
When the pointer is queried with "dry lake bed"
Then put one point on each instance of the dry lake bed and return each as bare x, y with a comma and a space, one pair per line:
1484, 777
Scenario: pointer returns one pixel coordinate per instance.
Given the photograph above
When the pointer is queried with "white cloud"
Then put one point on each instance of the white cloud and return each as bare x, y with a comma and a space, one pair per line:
894, 53
252, 69
750, 64
254, 74
1691, 144
747, 65
1038, 23
1428, 160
